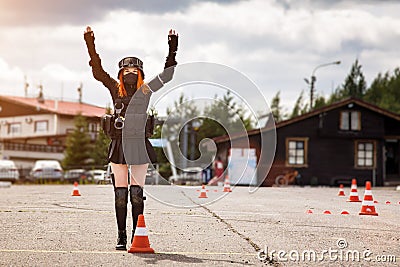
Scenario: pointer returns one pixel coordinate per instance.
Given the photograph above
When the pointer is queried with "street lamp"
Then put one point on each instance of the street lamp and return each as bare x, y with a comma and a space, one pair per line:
313, 79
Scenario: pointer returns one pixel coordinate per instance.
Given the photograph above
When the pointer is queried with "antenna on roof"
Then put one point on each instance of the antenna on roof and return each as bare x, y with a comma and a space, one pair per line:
40, 97
26, 85
79, 89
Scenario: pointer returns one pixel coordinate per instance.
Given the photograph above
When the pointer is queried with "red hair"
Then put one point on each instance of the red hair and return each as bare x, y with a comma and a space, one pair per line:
121, 86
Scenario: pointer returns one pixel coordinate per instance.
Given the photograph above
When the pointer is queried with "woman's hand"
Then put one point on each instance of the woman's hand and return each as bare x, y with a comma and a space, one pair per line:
172, 41
89, 31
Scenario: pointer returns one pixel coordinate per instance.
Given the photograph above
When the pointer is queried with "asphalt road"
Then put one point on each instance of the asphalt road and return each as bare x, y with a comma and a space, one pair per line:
43, 225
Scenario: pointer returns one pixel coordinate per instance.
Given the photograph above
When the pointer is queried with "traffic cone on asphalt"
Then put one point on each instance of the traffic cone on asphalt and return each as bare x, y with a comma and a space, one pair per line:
353, 192
227, 185
203, 192
140, 243
368, 206
341, 191
75, 191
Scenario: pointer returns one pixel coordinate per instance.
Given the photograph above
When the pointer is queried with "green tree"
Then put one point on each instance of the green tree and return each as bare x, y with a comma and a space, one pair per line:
385, 91
354, 84
320, 101
299, 107
99, 153
276, 108
77, 152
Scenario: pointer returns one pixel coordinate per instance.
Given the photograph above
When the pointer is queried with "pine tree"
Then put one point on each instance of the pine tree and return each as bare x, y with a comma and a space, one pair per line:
276, 108
354, 84
385, 91
78, 144
99, 153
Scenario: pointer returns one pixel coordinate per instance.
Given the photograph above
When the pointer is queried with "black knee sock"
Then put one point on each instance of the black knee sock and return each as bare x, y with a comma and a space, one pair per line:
136, 193
121, 201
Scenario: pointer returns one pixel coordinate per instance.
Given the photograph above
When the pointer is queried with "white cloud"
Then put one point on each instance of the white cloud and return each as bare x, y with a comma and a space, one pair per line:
275, 44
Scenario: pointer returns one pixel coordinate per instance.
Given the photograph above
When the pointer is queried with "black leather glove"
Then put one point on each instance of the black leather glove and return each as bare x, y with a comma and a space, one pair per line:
173, 43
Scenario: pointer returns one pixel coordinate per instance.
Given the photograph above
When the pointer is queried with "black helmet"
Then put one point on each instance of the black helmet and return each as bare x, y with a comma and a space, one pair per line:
130, 62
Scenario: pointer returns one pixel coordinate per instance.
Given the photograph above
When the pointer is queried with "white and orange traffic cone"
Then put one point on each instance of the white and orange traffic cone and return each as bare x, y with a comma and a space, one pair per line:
75, 191
368, 206
140, 243
227, 185
203, 192
341, 191
353, 192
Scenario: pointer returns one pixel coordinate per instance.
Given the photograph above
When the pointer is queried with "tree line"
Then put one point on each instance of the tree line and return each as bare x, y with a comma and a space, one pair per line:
384, 92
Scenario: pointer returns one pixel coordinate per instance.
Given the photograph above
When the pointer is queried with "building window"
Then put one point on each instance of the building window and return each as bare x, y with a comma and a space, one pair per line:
296, 151
41, 126
93, 127
365, 154
350, 120
14, 128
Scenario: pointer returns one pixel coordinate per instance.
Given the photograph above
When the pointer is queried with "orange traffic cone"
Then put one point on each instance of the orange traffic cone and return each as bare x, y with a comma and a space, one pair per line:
75, 192
203, 192
368, 206
353, 193
227, 185
140, 243
341, 191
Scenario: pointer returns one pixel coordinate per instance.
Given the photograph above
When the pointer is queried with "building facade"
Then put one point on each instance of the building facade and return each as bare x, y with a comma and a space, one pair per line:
331, 145
32, 128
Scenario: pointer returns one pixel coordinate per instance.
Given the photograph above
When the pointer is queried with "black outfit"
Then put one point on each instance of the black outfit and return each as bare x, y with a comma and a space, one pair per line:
130, 145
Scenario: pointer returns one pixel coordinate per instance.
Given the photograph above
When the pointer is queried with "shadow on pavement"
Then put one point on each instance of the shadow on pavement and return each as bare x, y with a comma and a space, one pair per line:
156, 258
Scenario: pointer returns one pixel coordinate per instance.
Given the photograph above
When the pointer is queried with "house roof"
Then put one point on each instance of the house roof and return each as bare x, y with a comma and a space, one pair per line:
312, 113
57, 106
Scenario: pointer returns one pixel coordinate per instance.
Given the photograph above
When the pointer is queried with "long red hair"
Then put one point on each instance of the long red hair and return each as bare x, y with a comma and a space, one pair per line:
140, 83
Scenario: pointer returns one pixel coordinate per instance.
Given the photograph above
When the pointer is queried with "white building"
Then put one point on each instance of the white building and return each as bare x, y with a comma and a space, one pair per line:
32, 128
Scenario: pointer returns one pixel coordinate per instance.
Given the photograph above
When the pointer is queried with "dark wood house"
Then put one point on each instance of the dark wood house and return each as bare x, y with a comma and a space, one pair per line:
331, 145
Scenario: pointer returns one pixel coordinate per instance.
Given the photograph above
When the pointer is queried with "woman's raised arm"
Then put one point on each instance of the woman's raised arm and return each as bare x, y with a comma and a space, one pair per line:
95, 62
170, 63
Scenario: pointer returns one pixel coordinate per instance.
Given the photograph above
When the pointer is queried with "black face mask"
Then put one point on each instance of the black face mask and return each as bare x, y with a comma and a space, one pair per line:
130, 78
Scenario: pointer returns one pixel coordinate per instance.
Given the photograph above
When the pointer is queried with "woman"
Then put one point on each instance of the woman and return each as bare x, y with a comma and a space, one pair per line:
136, 149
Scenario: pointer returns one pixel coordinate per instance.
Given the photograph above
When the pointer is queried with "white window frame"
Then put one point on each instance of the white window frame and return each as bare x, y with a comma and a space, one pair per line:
365, 154
41, 129
350, 120
293, 152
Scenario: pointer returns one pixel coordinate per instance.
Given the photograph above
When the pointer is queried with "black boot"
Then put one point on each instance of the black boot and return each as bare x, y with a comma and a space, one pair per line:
136, 193
121, 202
121, 241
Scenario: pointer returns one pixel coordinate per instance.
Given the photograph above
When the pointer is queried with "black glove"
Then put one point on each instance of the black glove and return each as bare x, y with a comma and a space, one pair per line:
173, 43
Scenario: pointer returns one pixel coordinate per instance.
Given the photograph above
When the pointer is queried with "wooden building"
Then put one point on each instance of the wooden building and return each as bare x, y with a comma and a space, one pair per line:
331, 145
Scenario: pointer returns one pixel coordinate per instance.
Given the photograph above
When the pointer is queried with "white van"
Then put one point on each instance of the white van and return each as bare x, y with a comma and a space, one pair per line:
8, 171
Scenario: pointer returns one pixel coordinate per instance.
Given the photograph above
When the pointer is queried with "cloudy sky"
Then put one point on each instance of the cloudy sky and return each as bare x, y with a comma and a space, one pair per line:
276, 43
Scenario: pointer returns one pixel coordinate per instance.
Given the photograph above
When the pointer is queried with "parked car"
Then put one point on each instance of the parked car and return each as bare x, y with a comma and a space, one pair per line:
47, 170
100, 176
8, 171
77, 175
